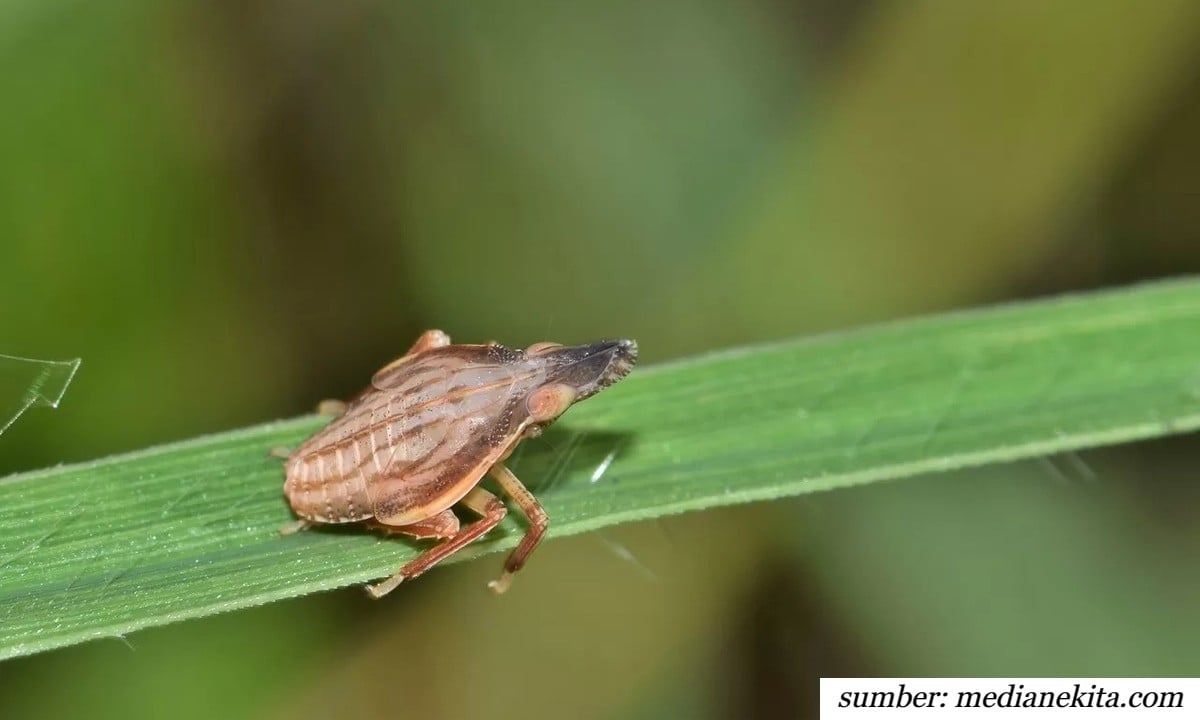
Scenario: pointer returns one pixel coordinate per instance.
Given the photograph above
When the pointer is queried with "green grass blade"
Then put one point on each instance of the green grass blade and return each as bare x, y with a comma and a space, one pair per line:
189, 529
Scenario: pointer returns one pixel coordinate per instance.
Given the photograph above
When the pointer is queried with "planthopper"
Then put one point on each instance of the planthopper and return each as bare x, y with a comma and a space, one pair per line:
420, 439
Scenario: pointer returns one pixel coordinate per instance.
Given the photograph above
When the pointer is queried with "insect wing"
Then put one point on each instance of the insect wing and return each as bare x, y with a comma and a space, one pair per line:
450, 421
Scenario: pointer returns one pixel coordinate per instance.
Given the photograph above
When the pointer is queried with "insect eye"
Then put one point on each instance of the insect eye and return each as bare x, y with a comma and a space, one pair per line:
550, 401
540, 348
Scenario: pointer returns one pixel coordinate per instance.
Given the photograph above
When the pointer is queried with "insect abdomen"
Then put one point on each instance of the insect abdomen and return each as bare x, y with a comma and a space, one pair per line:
330, 485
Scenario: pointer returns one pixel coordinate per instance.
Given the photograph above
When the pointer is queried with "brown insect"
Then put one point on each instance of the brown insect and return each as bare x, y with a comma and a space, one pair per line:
430, 426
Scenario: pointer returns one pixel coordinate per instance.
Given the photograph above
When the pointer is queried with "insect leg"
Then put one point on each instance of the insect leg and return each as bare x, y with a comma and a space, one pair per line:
440, 526
429, 339
479, 501
294, 527
331, 408
538, 522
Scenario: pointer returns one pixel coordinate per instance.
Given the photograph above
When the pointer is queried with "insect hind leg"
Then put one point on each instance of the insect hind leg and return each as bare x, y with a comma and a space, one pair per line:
443, 525
479, 501
294, 527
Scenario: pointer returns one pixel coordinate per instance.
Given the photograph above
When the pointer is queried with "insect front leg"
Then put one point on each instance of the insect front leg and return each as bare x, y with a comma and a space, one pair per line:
479, 501
538, 522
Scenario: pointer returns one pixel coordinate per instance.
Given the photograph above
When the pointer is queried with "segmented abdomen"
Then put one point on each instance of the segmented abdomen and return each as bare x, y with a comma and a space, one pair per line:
330, 485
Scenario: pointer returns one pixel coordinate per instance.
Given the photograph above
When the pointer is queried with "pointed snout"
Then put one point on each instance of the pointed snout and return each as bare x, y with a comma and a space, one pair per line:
591, 368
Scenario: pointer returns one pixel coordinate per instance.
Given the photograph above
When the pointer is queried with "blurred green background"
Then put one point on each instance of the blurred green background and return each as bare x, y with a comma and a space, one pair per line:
233, 210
